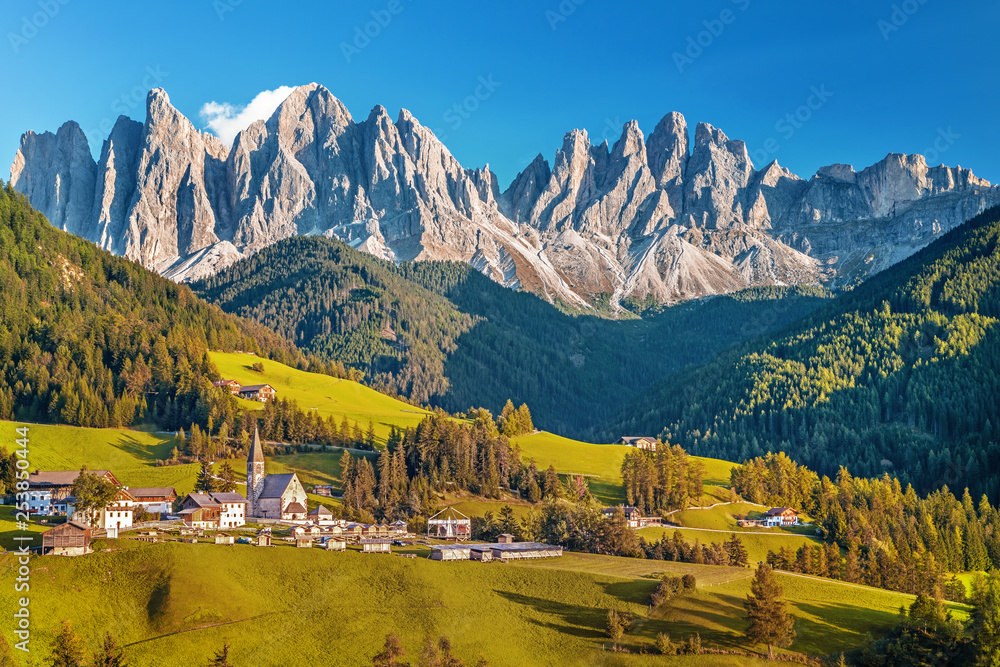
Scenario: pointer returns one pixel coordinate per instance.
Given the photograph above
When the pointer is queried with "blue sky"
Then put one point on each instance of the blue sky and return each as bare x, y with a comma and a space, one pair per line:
806, 83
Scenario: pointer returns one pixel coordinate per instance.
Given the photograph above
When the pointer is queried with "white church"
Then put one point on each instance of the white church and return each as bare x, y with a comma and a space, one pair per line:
272, 496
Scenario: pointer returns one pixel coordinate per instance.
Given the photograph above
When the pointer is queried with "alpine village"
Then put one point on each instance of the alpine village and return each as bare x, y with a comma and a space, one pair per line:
283, 386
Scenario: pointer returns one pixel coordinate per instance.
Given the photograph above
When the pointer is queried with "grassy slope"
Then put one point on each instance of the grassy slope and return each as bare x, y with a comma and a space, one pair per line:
331, 603
602, 464
329, 396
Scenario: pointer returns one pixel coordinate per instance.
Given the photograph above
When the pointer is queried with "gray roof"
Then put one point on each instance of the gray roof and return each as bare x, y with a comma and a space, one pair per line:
256, 451
275, 485
321, 510
203, 499
59, 477
247, 388
152, 491
228, 497
515, 546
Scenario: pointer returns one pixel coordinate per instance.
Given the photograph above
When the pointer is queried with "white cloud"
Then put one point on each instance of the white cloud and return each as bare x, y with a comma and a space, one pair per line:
227, 120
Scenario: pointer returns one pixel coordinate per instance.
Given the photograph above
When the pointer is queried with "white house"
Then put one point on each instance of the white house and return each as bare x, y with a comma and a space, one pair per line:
112, 518
214, 510
154, 499
49, 489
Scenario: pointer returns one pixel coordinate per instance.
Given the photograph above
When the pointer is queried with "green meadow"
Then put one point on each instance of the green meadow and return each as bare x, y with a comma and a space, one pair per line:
175, 604
314, 391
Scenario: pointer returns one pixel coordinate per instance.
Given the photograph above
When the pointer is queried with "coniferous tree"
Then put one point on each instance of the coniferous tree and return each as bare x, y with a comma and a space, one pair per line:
768, 620
206, 479
67, 648
985, 625
110, 654
227, 478
390, 654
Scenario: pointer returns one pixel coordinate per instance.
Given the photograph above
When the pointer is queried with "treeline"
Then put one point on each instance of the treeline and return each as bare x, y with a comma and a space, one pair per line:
898, 375
441, 453
662, 481
91, 339
431, 331
893, 538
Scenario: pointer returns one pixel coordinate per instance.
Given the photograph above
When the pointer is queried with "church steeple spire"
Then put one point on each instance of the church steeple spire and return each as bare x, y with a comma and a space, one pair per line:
255, 474
256, 451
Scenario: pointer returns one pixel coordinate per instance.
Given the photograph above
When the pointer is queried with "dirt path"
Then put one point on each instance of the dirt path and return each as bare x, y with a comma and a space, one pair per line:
203, 627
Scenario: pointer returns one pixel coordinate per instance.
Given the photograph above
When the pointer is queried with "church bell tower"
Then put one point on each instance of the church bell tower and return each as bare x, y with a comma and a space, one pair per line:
255, 473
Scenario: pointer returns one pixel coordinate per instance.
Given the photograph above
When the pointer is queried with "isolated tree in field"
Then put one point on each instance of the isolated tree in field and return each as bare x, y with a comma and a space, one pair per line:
92, 494
615, 626
736, 551
221, 658
67, 648
206, 479
390, 653
768, 620
227, 475
664, 645
110, 654
986, 621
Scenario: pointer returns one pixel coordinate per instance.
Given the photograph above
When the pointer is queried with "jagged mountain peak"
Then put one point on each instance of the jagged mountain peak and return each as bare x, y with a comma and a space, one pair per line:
663, 214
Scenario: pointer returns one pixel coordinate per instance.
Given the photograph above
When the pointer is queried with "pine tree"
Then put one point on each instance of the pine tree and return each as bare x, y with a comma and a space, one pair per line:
206, 480
390, 653
67, 648
768, 620
986, 621
228, 478
552, 485
736, 551
615, 627
110, 654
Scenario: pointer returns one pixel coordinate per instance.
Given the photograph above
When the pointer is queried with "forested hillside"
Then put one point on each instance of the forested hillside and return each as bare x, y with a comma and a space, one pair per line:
444, 334
91, 339
899, 375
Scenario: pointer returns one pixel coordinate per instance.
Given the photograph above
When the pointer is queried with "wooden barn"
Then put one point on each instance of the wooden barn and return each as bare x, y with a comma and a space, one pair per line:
451, 552
69, 539
263, 538
378, 545
509, 551
303, 542
335, 544
225, 538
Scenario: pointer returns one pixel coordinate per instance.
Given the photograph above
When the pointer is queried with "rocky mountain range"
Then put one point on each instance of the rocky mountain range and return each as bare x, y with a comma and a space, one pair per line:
661, 217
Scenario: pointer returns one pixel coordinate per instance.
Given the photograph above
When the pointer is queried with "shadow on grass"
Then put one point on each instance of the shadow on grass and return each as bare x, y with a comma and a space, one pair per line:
576, 620
837, 627
142, 451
